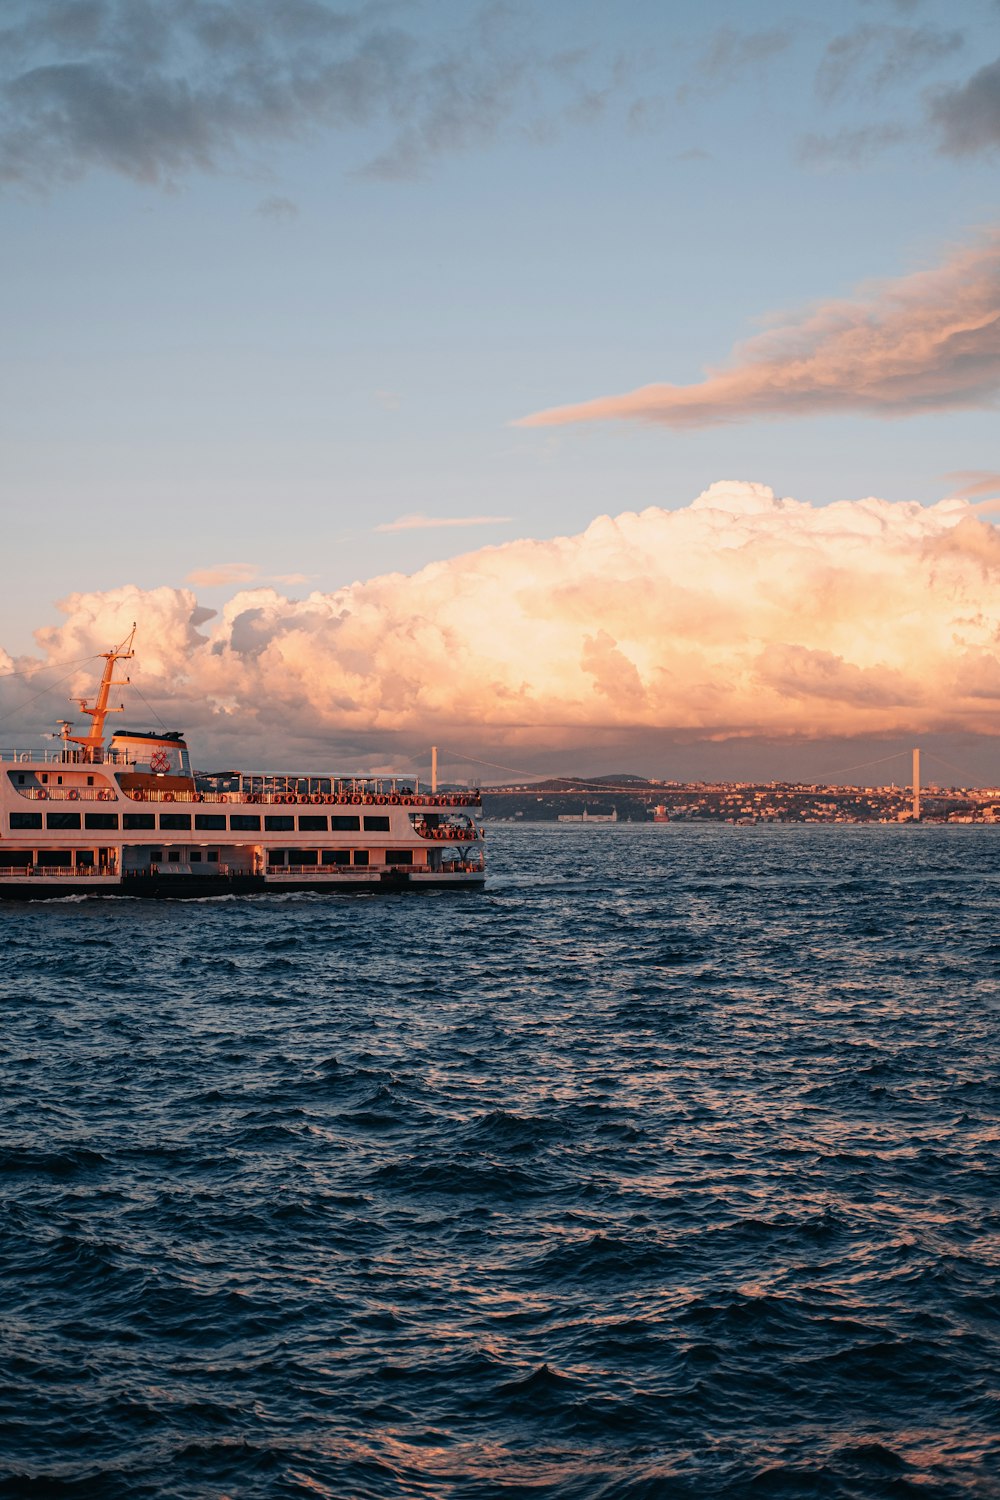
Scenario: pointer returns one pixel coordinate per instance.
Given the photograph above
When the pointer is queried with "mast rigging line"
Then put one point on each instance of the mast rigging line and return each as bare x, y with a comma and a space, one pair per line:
155, 712
53, 666
34, 699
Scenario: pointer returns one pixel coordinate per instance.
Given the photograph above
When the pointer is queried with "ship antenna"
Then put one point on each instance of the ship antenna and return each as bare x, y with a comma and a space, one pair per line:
93, 743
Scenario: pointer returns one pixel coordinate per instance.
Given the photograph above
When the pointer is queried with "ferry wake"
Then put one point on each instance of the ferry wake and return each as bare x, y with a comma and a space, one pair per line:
133, 819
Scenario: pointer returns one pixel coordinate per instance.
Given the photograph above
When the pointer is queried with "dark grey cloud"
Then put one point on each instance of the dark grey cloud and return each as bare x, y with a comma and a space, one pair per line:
849, 148
968, 116
279, 209
156, 89
872, 58
732, 52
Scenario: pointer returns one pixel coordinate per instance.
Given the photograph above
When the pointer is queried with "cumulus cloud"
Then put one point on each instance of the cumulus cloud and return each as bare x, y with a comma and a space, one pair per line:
739, 615
155, 89
925, 342
430, 523
968, 115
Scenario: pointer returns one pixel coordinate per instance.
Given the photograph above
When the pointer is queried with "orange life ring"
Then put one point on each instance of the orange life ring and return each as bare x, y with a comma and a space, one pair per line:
74, 796
369, 799
381, 800
168, 796
394, 800
354, 800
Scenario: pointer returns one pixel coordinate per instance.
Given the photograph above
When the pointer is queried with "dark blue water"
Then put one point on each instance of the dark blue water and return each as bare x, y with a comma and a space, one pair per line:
667, 1167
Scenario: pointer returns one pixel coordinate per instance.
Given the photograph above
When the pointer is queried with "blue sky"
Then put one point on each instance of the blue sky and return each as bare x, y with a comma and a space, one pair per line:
243, 334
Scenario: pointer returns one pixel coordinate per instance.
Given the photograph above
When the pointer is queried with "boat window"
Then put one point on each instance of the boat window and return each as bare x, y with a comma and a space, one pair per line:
244, 823
310, 823
303, 856
155, 856
196, 856
173, 856
399, 856
138, 820
361, 856
276, 856
20, 780
90, 781
100, 820
279, 823
336, 856
345, 823
85, 859
210, 821
212, 856
25, 820
376, 825
175, 820
62, 820
62, 857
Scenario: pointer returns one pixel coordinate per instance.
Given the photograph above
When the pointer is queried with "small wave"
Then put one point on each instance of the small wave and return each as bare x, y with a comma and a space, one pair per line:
65, 1163
604, 1256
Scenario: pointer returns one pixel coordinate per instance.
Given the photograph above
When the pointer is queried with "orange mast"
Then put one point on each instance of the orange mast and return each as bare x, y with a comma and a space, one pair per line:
93, 743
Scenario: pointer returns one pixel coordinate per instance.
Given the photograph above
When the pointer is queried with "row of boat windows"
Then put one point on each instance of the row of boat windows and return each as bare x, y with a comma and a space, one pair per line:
276, 858
203, 822
293, 857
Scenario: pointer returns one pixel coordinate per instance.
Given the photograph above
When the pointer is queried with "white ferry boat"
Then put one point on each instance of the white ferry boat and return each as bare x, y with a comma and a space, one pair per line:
132, 819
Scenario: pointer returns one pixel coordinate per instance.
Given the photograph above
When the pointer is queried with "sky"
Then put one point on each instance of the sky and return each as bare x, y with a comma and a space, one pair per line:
581, 387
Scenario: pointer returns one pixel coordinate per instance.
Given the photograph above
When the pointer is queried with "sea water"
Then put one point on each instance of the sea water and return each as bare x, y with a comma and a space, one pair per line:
665, 1167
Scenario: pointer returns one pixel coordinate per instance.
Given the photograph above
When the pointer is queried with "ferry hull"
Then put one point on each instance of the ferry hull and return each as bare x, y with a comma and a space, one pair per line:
200, 887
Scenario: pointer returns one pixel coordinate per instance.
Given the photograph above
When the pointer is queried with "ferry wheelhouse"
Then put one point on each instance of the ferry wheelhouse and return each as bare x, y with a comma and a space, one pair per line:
133, 819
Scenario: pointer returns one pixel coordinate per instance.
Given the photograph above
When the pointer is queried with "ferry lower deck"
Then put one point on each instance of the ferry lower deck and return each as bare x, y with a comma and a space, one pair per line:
19, 884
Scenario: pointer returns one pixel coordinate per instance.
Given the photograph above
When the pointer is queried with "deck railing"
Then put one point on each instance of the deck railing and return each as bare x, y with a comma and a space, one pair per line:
66, 793
68, 757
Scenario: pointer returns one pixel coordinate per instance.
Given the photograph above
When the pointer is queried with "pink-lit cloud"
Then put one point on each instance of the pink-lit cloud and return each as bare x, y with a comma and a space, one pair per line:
431, 523
970, 483
223, 575
924, 342
739, 615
